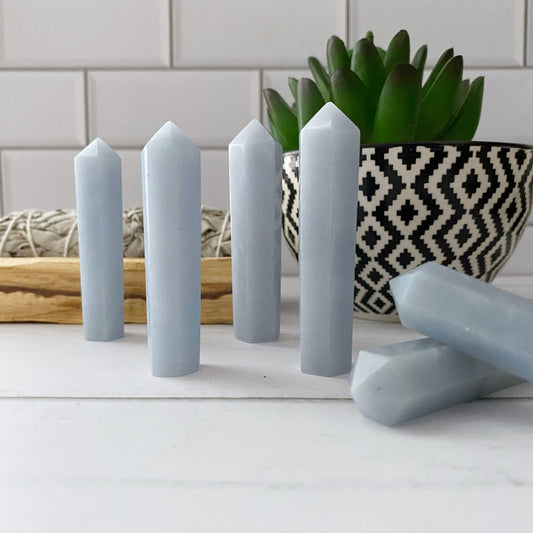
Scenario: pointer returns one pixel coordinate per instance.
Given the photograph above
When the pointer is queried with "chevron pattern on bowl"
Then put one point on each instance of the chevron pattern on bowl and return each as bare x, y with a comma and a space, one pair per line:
464, 205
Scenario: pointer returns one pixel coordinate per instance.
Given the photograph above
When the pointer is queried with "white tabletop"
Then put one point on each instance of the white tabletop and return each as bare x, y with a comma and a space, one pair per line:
91, 442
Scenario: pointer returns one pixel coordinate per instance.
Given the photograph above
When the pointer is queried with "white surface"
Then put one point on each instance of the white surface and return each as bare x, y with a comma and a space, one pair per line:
507, 105
59, 33
127, 108
55, 187
42, 109
277, 32
469, 26
117, 56
248, 444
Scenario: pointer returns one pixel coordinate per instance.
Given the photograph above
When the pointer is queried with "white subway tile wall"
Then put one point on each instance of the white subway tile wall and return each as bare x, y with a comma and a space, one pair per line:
42, 109
81, 33
127, 108
529, 34
489, 33
254, 34
71, 70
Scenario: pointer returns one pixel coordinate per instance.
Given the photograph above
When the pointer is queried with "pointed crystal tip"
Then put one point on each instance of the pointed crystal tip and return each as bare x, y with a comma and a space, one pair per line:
170, 134
253, 133
399, 287
330, 116
98, 148
401, 284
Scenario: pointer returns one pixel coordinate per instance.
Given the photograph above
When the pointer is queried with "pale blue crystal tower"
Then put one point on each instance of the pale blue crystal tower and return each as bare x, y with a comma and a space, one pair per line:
469, 315
329, 168
400, 382
98, 178
172, 231
255, 196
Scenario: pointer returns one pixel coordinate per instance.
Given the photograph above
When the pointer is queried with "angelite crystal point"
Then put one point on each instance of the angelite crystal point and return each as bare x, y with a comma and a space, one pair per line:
400, 382
329, 170
469, 315
172, 237
255, 198
98, 179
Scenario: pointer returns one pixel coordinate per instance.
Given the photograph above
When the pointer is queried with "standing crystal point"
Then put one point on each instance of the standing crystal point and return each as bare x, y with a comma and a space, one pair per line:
255, 196
469, 315
172, 230
98, 179
329, 168
400, 382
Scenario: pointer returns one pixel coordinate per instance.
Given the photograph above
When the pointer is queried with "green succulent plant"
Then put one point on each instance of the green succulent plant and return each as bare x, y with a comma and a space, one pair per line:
383, 92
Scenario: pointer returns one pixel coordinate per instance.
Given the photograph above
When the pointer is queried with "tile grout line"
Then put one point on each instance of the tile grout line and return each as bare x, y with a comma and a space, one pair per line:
171, 32
526, 36
300, 399
86, 103
2, 188
215, 68
347, 22
182, 398
50, 148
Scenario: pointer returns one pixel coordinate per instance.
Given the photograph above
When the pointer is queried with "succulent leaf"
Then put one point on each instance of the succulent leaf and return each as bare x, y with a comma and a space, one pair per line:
336, 54
382, 93
293, 86
321, 77
283, 118
439, 103
419, 60
398, 51
463, 126
308, 102
398, 107
274, 131
463, 93
439, 65
367, 64
351, 96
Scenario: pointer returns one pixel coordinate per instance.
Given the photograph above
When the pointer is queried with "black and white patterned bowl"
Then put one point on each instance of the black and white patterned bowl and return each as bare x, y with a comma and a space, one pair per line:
464, 205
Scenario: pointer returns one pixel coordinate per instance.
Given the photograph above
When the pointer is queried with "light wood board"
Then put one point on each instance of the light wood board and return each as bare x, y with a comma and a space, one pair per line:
47, 289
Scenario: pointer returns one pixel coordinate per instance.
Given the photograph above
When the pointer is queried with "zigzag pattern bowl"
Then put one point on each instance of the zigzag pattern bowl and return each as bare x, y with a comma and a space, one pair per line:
464, 205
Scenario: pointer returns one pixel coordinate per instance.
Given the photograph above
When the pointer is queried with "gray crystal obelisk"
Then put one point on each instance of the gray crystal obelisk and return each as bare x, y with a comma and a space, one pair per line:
469, 315
400, 382
172, 233
255, 199
329, 168
98, 178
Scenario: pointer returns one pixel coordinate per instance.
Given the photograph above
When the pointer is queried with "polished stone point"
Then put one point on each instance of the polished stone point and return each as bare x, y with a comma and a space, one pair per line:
469, 315
400, 382
172, 240
329, 171
98, 179
255, 198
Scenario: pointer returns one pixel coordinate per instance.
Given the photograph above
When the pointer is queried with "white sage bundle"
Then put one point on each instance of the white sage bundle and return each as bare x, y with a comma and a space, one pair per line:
54, 233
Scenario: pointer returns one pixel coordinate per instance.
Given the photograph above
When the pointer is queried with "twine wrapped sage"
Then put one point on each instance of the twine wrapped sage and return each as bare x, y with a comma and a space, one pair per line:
55, 233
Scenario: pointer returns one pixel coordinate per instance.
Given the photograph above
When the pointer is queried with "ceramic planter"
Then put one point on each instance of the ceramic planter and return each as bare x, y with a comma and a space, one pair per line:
464, 205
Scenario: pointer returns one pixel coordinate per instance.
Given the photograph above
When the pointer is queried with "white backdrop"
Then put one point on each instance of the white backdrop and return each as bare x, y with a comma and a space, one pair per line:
71, 70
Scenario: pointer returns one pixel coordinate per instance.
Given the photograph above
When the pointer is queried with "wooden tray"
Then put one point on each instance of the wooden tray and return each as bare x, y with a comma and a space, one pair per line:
47, 289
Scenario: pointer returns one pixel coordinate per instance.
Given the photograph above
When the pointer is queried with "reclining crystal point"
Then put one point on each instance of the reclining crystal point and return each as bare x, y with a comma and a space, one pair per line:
400, 382
468, 315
